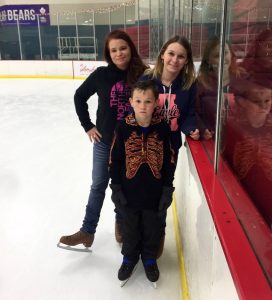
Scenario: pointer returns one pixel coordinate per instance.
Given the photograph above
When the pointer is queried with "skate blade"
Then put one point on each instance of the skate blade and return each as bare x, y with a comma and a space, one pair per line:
154, 284
71, 248
122, 283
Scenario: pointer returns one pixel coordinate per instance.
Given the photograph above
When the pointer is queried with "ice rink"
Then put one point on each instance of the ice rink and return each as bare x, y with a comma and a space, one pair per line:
45, 172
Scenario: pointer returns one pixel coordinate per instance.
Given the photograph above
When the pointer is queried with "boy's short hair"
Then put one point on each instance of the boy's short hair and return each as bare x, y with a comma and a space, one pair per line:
243, 88
146, 85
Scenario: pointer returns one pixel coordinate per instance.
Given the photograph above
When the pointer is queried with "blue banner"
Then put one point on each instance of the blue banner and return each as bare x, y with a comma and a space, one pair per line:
25, 14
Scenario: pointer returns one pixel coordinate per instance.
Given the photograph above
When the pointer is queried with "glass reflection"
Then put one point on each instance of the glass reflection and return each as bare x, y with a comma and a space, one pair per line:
248, 147
258, 61
207, 82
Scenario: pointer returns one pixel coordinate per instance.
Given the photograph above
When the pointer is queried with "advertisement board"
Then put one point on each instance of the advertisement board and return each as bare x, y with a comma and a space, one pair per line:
85, 68
27, 15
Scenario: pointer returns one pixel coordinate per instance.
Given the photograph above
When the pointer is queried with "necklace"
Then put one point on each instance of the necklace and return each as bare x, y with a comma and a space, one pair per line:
166, 82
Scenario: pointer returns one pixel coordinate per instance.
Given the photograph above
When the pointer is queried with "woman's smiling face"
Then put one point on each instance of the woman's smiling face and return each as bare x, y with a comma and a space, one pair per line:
174, 58
120, 53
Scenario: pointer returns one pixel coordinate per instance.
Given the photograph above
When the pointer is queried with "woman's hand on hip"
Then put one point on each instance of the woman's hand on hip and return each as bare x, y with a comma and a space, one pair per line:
94, 135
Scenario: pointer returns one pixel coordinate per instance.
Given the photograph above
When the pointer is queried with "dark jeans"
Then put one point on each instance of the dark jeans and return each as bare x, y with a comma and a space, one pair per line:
141, 233
100, 180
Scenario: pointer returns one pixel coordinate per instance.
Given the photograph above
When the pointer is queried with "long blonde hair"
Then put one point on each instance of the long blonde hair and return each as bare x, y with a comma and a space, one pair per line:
187, 74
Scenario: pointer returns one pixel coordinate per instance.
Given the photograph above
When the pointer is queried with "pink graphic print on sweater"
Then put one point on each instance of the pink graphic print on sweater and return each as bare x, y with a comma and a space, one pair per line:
173, 112
119, 98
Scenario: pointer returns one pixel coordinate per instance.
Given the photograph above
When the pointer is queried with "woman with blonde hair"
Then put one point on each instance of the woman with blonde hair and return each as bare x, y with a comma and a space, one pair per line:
174, 75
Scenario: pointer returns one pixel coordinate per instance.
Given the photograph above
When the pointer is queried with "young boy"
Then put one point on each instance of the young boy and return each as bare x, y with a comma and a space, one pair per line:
142, 172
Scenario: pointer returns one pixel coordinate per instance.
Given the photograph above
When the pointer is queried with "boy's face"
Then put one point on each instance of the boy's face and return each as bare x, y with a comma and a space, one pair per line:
143, 103
258, 106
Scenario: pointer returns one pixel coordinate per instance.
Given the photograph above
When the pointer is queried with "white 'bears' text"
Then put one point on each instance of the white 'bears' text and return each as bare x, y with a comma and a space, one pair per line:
18, 14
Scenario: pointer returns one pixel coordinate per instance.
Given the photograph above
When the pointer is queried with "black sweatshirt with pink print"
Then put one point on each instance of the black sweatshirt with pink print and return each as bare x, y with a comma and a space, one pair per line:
109, 83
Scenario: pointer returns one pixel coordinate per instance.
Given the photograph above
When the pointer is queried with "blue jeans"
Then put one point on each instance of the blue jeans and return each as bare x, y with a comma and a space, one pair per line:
100, 180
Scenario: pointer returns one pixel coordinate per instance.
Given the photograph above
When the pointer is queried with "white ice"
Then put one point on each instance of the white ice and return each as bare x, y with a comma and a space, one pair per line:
45, 172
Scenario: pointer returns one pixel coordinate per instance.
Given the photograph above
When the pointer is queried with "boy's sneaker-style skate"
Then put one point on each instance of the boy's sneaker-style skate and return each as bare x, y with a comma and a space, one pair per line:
68, 241
126, 269
118, 232
151, 270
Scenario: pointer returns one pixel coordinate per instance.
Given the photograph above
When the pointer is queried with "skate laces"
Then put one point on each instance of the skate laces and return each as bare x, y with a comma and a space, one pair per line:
149, 262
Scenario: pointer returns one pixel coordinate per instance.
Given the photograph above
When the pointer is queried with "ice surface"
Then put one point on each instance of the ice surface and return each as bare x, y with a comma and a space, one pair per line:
45, 171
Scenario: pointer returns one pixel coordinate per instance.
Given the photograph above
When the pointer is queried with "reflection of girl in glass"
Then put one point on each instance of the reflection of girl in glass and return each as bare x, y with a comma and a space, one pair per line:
208, 82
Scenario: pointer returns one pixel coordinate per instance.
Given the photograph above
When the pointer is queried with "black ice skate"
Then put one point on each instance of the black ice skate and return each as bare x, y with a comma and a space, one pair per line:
126, 270
68, 242
151, 270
